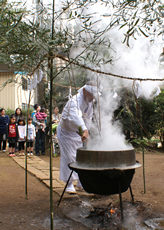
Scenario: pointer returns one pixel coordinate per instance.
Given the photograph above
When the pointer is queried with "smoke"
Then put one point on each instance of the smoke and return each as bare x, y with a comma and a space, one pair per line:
138, 60
105, 133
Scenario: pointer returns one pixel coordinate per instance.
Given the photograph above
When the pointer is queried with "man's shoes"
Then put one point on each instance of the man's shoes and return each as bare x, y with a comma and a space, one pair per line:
37, 154
71, 192
43, 153
4, 150
32, 154
70, 188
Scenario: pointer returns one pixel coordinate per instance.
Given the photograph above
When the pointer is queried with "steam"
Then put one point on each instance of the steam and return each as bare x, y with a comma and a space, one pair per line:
107, 135
140, 60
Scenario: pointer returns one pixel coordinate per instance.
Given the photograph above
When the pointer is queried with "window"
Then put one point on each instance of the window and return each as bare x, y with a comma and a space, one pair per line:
24, 84
24, 106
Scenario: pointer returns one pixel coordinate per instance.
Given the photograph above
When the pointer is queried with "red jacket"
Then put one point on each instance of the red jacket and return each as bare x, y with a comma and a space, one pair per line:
13, 134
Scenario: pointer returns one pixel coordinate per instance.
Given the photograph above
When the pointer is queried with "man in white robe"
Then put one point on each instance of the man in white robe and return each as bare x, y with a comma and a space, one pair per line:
77, 113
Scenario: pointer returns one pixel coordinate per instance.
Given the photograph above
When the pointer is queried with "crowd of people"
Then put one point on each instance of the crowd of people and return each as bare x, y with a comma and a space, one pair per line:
13, 130
71, 128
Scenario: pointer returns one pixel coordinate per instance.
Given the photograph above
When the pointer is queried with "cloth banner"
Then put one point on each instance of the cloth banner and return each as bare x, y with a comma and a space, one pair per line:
37, 77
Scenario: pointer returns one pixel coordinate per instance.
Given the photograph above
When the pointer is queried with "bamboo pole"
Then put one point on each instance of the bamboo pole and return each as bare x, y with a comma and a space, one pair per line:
51, 192
26, 192
143, 162
98, 100
143, 152
51, 80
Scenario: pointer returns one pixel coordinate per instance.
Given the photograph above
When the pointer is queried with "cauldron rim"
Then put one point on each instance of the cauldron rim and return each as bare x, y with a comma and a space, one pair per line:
100, 160
76, 165
95, 150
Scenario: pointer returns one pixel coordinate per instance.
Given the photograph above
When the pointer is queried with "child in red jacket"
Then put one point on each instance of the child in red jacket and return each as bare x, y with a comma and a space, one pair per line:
12, 134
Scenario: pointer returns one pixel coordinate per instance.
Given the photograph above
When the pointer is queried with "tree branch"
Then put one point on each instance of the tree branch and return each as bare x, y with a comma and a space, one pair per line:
105, 73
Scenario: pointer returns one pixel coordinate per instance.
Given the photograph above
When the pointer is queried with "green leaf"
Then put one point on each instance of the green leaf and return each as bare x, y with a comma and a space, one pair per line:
143, 32
136, 22
70, 15
130, 30
123, 25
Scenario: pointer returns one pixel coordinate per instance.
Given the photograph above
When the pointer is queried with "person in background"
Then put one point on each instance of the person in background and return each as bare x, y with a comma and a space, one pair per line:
4, 120
30, 137
56, 116
40, 135
12, 134
36, 109
41, 116
18, 114
72, 130
55, 120
22, 135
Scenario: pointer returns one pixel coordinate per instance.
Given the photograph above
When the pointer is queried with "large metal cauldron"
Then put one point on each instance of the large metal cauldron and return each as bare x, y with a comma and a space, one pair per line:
105, 172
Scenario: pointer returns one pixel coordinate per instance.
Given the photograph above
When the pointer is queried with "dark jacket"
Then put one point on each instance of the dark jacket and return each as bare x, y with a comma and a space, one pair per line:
7, 132
18, 117
3, 122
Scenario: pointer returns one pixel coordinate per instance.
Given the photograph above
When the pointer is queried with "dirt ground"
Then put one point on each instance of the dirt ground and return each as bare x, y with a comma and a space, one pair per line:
17, 212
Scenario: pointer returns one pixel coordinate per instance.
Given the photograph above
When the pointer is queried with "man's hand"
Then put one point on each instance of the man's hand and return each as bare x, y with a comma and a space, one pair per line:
85, 135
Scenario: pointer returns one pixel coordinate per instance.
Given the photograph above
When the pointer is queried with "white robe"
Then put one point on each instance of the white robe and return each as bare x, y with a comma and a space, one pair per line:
76, 113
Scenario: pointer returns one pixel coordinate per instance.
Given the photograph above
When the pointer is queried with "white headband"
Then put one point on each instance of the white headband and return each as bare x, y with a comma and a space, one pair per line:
91, 89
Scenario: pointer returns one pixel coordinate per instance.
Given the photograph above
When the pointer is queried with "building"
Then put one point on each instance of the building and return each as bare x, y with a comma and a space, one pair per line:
14, 91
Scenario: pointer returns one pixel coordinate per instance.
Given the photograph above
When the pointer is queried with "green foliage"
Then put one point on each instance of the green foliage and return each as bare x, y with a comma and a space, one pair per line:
10, 18
9, 112
129, 15
30, 44
27, 43
25, 112
159, 102
140, 142
141, 118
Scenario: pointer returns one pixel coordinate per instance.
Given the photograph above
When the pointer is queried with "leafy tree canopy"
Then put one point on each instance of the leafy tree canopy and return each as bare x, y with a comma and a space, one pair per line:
27, 43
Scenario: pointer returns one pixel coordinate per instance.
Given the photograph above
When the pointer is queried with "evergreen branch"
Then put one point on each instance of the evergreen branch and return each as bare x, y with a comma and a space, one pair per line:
105, 73
89, 68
